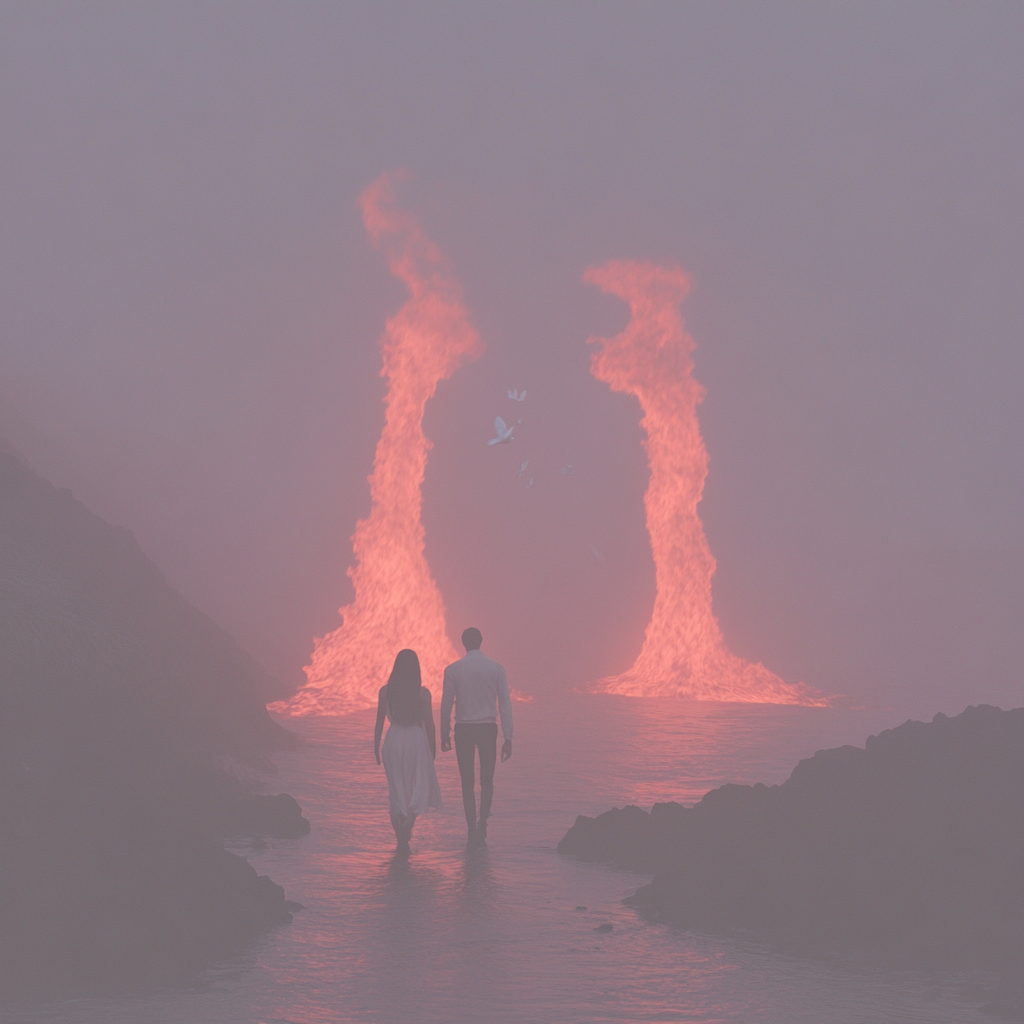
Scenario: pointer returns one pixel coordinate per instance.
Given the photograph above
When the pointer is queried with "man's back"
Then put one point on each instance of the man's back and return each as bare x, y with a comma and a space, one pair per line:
478, 688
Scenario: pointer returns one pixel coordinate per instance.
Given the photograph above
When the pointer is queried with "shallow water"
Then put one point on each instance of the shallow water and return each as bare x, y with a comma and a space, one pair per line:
496, 935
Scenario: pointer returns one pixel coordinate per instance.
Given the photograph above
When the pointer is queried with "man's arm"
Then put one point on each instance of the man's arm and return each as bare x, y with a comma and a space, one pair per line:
505, 708
447, 700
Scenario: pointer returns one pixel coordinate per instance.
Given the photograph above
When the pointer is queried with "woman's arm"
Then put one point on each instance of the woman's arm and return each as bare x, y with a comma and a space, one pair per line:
428, 720
378, 729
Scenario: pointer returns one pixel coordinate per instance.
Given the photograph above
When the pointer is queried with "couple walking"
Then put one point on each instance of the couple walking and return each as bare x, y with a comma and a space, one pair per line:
478, 689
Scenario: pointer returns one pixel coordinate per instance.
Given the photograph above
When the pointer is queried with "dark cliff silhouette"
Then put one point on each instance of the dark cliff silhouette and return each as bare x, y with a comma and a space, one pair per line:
911, 849
121, 704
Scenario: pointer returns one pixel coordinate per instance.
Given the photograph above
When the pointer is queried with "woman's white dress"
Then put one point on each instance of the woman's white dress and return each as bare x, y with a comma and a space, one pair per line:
412, 781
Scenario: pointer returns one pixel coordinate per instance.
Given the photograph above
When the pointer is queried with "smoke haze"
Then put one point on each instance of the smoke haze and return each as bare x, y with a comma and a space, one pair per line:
190, 313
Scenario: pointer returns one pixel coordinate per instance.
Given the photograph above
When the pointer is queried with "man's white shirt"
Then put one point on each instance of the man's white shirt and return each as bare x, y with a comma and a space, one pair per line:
477, 687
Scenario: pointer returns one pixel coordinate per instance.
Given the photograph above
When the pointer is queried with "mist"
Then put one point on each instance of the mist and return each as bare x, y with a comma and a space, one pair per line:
191, 313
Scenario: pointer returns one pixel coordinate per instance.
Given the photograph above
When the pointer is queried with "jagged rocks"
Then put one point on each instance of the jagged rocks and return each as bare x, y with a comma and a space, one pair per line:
120, 701
911, 849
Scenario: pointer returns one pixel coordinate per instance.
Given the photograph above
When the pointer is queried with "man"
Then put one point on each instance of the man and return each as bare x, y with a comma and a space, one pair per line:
477, 687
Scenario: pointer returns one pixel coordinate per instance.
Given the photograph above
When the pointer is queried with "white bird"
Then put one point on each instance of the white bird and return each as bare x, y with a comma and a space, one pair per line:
530, 483
522, 468
597, 554
504, 433
517, 396
566, 470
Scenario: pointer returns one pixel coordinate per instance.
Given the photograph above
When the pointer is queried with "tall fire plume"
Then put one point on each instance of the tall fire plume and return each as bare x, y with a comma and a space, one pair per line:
397, 603
684, 653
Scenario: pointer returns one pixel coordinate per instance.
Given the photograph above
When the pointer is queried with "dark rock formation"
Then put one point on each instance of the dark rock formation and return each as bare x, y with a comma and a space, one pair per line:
269, 817
76, 591
624, 838
119, 700
911, 849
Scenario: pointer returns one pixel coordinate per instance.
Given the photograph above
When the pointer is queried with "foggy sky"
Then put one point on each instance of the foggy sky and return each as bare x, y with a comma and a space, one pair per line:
190, 312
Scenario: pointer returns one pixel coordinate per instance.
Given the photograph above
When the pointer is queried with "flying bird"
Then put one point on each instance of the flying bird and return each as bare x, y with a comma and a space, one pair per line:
566, 470
522, 468
504, 433
597, 554
517, 396
530, 482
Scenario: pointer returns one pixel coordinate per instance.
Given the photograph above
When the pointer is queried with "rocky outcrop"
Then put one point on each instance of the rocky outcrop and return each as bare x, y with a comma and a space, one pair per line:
910, 849
120, 704
265, 817
78, 595
627, 837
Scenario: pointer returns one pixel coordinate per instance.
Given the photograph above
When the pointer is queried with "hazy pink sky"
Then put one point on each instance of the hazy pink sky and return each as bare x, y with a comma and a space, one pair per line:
190, 311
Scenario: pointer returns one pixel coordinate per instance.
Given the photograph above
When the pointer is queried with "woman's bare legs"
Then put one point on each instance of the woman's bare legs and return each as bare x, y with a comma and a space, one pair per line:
402, 824
399, 824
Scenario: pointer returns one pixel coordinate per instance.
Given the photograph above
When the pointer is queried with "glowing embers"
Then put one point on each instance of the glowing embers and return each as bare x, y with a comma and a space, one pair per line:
684, 653
397, 603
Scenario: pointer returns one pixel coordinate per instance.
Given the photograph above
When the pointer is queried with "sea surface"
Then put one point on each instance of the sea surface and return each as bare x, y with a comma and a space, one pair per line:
509, 933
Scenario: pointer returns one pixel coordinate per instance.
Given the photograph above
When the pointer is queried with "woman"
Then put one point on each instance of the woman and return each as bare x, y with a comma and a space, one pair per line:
409, 747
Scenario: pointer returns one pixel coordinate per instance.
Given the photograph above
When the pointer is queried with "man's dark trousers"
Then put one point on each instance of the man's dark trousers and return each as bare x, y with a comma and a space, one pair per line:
468, 737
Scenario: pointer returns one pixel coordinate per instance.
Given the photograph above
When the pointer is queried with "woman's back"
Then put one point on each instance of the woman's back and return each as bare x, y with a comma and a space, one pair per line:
408, 713
410, 745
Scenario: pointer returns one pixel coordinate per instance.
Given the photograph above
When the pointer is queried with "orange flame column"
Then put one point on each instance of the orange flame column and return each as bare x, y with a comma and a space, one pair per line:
684, 653
397, 603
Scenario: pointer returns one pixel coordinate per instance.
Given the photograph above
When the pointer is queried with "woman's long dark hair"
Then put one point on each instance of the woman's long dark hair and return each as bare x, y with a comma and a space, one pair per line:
404, 689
